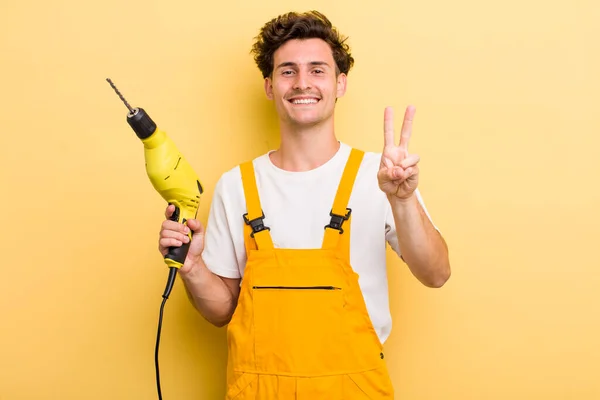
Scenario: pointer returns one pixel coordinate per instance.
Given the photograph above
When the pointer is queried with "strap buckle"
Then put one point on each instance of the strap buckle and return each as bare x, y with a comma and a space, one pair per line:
338, 220
256, 224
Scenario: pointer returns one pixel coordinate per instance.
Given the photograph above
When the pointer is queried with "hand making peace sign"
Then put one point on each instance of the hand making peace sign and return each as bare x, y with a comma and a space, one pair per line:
398, 173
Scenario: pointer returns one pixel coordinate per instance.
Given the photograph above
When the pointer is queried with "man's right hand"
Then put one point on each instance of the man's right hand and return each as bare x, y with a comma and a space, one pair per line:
214, 296
174, 234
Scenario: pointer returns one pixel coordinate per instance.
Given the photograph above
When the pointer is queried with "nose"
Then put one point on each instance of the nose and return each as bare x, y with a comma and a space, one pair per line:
302, 81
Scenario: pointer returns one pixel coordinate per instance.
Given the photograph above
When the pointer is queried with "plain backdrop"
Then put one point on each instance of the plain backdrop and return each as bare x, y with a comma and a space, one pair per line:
506, 126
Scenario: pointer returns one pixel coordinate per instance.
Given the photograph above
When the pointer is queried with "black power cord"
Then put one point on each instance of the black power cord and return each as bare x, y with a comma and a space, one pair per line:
170, 283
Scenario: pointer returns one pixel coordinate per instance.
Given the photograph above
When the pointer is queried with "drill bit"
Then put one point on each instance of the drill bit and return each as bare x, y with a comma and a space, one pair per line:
131, 110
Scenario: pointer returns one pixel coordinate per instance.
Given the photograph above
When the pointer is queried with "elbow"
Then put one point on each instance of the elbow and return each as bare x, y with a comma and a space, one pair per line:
216, 319
440, 278
221, 320
441, 271
438, 282
433, 275
219, 323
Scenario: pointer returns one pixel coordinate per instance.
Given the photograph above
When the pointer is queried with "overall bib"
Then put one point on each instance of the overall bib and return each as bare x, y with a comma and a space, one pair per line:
301, 329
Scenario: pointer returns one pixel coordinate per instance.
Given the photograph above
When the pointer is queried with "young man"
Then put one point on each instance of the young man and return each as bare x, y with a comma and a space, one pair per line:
306, 227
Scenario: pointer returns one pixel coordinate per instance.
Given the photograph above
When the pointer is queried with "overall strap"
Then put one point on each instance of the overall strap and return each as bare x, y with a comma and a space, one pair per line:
256, 234
339, 226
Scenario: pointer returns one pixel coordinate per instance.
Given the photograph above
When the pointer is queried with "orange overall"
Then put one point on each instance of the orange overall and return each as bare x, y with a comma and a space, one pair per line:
301, 329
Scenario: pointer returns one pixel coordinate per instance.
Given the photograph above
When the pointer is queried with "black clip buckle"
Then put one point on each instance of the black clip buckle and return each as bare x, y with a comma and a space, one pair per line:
338, 220
256, 224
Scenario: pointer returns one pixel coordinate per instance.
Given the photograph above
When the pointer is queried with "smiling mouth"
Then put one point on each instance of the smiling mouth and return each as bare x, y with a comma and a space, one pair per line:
304, 101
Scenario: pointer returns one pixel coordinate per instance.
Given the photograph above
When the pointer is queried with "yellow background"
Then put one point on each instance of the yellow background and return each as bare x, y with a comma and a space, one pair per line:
507, 129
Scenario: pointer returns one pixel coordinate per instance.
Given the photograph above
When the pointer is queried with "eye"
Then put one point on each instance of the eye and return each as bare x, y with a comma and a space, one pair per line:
287, 72
319, 71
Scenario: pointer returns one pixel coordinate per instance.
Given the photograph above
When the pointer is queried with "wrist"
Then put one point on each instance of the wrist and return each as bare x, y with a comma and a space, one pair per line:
404, 202
192, 271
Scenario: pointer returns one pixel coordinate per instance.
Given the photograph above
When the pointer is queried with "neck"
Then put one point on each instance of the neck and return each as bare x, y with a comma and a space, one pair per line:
305, 148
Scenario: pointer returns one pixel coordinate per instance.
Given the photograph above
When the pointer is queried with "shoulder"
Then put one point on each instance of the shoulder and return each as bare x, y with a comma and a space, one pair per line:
229, 189
228, 180
232, 178
371, 161
369, 167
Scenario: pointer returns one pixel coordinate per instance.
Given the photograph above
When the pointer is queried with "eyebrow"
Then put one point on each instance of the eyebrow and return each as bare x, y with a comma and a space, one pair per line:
293, 64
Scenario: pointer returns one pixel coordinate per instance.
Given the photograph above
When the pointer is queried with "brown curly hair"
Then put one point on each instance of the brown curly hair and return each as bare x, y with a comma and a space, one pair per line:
293, 25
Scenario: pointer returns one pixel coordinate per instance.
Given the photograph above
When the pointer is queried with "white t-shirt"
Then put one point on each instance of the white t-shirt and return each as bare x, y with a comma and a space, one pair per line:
296, 207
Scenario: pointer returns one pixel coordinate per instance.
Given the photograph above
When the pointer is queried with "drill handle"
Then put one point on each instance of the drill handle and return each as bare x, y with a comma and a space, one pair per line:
177, 254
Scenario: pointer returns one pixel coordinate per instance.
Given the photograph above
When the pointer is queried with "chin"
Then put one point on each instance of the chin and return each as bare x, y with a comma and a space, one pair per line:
307, 122
307, 118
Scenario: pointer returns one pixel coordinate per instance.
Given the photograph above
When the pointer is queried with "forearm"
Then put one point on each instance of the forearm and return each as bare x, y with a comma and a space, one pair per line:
421, 245
208, 293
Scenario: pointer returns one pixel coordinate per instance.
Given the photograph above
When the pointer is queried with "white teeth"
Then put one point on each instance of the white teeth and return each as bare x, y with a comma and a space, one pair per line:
304, 101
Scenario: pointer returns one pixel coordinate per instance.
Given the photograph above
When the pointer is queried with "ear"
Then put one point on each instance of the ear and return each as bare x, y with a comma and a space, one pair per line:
269, 88
341, 84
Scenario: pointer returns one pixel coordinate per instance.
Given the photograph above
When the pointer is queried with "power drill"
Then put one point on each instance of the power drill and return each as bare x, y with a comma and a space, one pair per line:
174, 179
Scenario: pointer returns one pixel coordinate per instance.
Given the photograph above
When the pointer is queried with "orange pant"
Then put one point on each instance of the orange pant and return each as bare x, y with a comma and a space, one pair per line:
301, 329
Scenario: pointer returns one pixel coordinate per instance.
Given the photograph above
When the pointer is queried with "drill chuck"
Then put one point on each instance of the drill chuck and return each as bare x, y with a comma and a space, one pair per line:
137, 118
141, 123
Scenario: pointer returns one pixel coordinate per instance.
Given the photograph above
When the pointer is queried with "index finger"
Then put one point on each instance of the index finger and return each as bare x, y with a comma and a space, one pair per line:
174, 226
388, 127
406, 131
169, 211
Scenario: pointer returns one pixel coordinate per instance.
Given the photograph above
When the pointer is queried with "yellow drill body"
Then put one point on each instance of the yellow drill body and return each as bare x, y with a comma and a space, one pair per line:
175, 180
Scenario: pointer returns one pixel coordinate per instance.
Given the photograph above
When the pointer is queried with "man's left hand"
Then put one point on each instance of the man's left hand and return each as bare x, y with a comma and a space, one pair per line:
398, 174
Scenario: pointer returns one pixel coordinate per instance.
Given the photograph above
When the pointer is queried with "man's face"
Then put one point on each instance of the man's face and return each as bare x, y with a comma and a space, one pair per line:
304, 84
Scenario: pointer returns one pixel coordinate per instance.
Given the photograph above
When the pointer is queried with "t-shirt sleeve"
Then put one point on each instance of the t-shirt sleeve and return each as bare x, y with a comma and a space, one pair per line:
390, 225
219, 252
